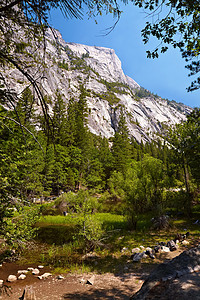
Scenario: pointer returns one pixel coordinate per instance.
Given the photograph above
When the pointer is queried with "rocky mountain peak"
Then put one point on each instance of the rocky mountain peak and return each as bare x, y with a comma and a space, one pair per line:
69, 65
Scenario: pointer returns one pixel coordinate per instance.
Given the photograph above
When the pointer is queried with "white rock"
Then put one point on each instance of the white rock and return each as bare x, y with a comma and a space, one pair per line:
45, 275
22, 271
149, 249
148, 111
1, 283
197, 268
184, 242
22, 277
165, 249
30, 269
135, 250
35, 271
12, 278
40, 267
1, 265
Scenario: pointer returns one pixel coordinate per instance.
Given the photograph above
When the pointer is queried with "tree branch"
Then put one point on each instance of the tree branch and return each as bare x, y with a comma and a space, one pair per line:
4, 8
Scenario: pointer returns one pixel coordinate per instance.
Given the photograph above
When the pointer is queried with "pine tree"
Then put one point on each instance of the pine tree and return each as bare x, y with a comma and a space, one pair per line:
121, 145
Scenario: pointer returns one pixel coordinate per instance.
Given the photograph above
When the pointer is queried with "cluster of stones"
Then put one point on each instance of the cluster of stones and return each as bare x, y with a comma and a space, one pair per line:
162, 247
186, 263
21, 274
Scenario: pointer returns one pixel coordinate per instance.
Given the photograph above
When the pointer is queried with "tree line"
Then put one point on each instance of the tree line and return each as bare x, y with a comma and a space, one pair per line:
39, 161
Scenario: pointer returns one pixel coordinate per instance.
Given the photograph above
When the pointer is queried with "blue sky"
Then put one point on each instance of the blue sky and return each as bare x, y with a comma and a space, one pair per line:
165, 76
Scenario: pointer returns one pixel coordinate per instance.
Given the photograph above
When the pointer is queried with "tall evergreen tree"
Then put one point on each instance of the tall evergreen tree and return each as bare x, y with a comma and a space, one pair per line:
121, 145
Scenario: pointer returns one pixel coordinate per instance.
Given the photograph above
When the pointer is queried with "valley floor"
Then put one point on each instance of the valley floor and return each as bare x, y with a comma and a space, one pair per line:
105, 286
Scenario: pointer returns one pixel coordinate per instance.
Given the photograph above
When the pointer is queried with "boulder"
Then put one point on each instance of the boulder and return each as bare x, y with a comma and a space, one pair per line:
184, 242
22, 271
150, 254
135, 250
138, 256
172, 245
60, 277
40, 267
157, 248
164, 249
1, 283
21, 277
12, 278
45, 275
35, 271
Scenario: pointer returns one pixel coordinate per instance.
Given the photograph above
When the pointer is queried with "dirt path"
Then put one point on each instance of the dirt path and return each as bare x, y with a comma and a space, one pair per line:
74, 286
106, 286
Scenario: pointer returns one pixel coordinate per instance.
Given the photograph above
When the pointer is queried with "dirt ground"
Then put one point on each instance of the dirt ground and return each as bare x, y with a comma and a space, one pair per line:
74, 286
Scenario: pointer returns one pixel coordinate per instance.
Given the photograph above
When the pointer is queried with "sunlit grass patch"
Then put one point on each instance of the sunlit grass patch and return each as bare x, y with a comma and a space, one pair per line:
57, 220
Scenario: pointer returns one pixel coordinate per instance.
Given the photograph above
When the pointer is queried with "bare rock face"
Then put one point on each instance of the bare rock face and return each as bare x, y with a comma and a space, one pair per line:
70, 65
164, 274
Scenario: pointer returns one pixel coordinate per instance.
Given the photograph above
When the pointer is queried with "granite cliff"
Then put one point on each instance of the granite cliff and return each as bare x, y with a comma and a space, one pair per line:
69, 65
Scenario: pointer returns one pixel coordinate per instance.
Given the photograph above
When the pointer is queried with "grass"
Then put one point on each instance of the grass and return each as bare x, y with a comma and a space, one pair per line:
57, 244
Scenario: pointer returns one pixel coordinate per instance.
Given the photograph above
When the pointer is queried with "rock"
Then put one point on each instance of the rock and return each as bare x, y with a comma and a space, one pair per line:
138, 256
30, 269
150, 254
40, 267
135, 250
1, 283
22, 271
164, 249
149, 249
45, 275
12, 278
168, 271
157, 248
172, 245
35, 271
184, 242
91, 280
1, 265
60, 277
197, 268
22, 277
